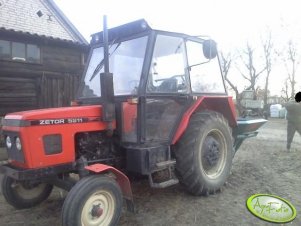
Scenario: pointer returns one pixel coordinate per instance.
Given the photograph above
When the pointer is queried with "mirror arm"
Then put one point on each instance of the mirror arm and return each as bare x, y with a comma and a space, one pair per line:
190, 66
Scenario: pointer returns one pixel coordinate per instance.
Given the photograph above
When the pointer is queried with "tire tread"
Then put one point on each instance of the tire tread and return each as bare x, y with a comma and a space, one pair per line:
185, 152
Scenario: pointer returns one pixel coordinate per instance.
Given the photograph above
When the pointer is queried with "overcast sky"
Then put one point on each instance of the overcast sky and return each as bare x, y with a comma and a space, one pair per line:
225, 20
230, 22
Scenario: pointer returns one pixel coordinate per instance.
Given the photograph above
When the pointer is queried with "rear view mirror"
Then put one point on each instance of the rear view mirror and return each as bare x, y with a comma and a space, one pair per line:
209, 49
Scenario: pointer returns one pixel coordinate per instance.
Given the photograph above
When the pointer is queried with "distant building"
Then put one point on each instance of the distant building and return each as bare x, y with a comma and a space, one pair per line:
274, 100
42, 56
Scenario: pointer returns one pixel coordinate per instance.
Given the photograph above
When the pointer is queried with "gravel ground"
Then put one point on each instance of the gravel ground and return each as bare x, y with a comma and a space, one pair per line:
262, 165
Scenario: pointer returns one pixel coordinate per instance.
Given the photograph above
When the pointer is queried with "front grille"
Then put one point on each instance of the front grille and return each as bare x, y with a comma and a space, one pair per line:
52, 144
13, 153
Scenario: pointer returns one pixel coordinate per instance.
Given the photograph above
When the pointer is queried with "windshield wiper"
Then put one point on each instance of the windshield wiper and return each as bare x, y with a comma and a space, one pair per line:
101, 63
97, 69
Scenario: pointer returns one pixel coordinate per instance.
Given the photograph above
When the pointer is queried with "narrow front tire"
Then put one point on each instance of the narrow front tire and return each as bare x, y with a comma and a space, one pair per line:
94, 201
24, 194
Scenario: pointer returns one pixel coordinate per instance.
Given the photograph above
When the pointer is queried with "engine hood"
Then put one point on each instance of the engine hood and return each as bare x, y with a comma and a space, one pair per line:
61, 115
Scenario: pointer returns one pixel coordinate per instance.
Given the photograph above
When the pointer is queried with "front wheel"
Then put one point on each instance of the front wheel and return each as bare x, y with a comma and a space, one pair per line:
93, 201
204, 153
24, 194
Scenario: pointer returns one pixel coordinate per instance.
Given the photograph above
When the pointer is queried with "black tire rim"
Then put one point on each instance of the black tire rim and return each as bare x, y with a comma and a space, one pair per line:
213, 154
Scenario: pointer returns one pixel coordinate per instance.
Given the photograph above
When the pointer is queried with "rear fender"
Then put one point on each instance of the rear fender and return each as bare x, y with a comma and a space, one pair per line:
121, 179
221, 104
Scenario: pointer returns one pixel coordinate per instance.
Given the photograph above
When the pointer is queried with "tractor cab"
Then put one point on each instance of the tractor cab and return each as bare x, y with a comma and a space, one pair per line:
157, 75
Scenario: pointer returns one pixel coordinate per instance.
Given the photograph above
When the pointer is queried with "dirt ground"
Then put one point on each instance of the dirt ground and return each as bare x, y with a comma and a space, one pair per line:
262, 165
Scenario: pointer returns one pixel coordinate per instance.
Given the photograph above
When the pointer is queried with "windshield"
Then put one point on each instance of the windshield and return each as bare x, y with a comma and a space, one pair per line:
126, 61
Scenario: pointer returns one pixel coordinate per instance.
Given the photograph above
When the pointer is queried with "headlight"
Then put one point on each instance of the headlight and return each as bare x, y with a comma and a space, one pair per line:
8, 142
18, 144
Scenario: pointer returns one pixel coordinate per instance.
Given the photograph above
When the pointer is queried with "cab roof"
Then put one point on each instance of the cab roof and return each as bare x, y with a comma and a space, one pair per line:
128, 30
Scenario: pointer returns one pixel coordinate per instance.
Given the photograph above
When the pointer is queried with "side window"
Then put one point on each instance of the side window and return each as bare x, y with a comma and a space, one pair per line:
19, 51
33, 54
205, 75
5, 50
167, 72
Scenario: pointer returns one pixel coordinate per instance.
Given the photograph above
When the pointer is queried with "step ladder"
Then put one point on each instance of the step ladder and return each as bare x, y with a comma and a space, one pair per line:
166, 167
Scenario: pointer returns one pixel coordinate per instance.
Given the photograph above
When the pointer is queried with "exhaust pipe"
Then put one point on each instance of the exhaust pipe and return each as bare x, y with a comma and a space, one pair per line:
106, 80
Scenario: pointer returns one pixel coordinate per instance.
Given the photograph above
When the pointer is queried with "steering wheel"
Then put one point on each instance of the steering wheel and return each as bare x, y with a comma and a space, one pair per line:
173, 84
182, 85
183, 78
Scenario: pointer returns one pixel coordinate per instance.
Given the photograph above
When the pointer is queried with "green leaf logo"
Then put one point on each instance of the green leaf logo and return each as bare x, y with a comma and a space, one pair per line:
271, 208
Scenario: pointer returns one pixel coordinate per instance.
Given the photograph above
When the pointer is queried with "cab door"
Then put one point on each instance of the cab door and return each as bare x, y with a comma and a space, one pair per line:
167, 89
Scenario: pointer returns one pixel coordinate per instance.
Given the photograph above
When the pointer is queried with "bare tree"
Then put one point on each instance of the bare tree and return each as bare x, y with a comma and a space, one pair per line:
291, 61
285, 91
268, 46
251, 74
226, 64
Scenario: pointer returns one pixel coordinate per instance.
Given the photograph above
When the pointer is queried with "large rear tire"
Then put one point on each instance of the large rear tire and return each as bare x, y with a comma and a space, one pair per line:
94, 201
204, 153
24, 194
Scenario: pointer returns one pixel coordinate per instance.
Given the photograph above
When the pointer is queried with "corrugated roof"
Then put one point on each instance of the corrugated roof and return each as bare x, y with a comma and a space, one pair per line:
44, 37
39, 18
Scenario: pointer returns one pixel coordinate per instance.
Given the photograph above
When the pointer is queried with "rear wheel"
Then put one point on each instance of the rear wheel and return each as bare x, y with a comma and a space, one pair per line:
204, 153
24, 194
93, 201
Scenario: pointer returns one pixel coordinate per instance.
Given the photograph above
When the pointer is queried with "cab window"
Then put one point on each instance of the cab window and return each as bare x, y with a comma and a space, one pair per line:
205, 75
167, 72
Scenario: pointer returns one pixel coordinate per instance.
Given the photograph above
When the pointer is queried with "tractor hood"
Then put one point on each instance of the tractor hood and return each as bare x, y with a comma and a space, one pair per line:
47, 137
54, 116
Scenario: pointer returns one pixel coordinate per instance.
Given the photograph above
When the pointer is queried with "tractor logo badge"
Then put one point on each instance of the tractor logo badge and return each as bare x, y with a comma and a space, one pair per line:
271, 208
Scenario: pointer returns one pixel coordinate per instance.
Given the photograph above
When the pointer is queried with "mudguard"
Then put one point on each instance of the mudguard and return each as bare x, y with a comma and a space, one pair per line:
121, 179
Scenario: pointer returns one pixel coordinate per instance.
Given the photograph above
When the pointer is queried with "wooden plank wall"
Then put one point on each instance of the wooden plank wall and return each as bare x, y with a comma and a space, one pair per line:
60, 59
57, 91
17, 94
52, 83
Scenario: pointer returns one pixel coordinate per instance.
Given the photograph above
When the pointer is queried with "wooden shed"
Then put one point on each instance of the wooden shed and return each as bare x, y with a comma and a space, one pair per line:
42, 56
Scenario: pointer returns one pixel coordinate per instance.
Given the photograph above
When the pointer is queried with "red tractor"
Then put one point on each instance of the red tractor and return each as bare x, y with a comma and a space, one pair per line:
165, 114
